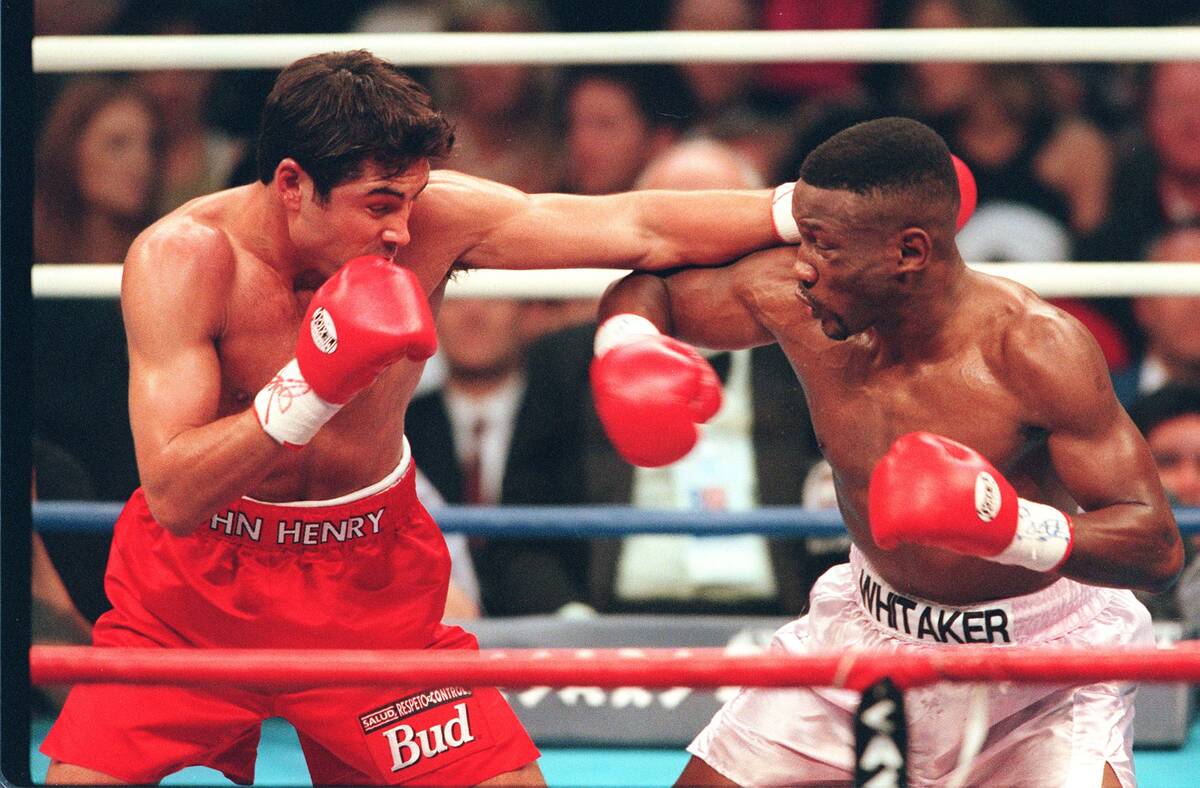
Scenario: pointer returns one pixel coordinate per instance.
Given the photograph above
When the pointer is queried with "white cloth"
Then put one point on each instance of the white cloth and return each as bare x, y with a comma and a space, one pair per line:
718, 474
1037, 734
498, 411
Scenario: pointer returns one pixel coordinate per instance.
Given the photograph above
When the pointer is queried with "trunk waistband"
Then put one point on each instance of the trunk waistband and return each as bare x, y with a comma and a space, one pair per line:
346, 520
1040, 616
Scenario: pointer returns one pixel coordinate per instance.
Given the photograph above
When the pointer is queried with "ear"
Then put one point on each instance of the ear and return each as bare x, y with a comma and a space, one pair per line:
291, 182
913, 246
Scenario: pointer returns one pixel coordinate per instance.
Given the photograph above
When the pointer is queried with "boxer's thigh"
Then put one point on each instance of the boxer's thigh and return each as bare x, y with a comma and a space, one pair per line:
140, 734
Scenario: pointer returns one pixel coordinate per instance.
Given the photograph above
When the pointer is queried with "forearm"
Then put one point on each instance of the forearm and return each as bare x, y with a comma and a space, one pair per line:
202, 469
708, 227
640, 294
1128, 545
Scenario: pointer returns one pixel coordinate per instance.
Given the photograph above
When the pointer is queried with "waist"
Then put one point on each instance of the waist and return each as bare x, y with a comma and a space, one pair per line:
1039, 616
347, 519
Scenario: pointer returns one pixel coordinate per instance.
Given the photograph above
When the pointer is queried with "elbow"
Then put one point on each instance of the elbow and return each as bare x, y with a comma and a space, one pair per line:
173, 514
1167, 564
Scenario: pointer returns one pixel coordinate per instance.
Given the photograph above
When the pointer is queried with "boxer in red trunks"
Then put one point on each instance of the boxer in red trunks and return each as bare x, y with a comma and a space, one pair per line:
265, 368
994, 488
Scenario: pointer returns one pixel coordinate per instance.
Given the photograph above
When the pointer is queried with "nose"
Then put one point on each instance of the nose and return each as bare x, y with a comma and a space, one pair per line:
805, 271
396, 234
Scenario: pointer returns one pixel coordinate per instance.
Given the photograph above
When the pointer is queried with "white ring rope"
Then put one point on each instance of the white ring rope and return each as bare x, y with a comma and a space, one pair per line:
1049, 279
1040, 44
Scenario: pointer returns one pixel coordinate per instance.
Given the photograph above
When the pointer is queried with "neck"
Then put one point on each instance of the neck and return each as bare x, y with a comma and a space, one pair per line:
918, 329
262, 227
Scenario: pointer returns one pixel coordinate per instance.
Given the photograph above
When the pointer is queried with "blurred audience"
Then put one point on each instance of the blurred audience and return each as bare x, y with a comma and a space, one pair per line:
1157, 184
1169, 418
502, 113
1168, 324
1024, 143
618, 118
822, 81
199, 156
97, 172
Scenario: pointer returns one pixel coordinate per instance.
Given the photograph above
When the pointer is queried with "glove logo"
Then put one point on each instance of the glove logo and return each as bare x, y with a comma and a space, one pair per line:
324, 332
987, 497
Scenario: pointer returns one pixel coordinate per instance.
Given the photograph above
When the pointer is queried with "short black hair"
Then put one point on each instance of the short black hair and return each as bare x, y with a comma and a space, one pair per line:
335, 111
886, 155
660, 93
1169, 402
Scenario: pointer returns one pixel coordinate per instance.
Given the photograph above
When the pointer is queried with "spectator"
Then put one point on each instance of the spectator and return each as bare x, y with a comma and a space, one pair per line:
760, 445
96, 172
199, 156
503, 127
1003, 121
1169, 326
1170, 420
618, 118
1157, 186
468, 433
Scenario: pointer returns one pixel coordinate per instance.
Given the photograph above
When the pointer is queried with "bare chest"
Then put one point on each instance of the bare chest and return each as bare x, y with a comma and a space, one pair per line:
859, 410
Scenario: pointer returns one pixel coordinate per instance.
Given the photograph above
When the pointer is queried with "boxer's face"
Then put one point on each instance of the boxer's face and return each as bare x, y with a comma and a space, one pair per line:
839, 261
366, 215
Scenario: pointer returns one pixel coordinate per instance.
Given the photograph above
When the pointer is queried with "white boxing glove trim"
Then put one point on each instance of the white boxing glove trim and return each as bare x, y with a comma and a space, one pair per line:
781, 214
622, 329
289, 410
1042, 540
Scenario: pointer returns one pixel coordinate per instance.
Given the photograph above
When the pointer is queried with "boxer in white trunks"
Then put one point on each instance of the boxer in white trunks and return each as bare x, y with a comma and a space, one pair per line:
996, 492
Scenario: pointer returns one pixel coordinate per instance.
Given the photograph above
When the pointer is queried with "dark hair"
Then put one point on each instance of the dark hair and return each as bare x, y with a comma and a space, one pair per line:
336, 111
884, 155
59, 203
660, 93
1169, 402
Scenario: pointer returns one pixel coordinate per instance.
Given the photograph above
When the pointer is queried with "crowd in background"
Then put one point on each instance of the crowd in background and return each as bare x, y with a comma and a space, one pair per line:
1072, 162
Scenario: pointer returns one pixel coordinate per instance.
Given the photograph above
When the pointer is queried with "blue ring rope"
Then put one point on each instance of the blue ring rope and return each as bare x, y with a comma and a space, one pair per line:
596, 521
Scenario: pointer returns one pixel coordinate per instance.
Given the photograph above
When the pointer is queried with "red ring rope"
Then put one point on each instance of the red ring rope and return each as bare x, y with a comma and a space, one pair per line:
707, 667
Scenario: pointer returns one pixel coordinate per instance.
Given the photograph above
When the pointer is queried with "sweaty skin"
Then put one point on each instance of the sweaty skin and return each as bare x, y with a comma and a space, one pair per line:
892, 336
214, 292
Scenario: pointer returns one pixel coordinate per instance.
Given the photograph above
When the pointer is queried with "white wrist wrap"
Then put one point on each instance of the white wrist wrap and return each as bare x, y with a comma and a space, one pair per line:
289, 410
1043, 538
620, 329
781, 214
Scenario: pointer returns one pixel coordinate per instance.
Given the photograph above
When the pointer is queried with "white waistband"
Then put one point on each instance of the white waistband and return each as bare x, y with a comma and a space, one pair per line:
1043, 615
372, 489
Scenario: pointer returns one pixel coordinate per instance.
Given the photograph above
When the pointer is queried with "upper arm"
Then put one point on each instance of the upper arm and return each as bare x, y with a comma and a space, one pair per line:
174, 289
649, 230
1097, 452
742, 304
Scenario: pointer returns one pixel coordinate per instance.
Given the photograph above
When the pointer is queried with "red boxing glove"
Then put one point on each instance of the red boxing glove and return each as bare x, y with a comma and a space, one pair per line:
650, 391
933, 491
367, 316
967, 192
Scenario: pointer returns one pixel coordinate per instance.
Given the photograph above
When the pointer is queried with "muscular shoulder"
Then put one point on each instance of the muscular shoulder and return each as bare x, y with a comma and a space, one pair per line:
179, 262
465, 201
1050, 359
